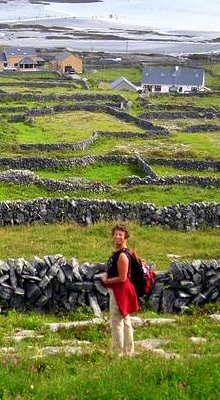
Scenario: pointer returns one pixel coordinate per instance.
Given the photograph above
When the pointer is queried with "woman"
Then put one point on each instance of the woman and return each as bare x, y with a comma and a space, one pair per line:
123, 298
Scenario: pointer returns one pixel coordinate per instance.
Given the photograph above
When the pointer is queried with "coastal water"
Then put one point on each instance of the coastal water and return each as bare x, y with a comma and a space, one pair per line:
157, 14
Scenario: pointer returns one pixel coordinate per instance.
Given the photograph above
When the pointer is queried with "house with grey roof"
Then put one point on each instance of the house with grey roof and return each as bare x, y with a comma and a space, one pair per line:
172, 79
123, 84
20, 58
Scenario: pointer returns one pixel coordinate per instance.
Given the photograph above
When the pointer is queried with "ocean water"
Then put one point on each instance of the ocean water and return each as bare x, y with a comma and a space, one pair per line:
198, 15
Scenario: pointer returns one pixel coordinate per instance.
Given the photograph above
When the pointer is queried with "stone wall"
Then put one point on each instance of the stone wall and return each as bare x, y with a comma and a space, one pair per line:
180, 115
180, 107
198, 165
185, 180
53, 164
26, 177
202, 128
186, 283
53, 283
84, 211
59, 97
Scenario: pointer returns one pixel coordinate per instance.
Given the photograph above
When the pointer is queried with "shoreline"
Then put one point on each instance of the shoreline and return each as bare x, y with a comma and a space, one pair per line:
84, 34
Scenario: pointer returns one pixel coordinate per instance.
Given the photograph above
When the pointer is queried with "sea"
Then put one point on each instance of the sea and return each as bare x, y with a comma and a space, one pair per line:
199, 15
200, 18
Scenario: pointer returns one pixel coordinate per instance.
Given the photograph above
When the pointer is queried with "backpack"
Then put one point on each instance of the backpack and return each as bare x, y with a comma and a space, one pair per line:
141, 275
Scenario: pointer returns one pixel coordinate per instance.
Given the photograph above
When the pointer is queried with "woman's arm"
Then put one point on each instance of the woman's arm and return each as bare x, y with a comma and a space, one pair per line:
123, 264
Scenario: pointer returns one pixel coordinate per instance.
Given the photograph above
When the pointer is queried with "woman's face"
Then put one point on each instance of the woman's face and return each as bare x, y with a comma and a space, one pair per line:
119, 238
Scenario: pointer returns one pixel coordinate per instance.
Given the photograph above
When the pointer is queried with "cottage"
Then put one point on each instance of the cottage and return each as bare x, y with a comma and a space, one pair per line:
123, 84
173, 79
20, 58
65, 62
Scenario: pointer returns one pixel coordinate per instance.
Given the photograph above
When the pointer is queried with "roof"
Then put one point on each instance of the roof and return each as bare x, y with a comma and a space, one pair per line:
173, 75
64, 54
120, 80
2, 57
20, 51
27, 61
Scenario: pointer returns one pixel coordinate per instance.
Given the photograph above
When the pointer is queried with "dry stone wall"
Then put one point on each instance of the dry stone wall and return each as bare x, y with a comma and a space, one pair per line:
53, 283
197, 165
202, 128
117, 98
186, 283
180, 115
84, 211
185, 180
26, 177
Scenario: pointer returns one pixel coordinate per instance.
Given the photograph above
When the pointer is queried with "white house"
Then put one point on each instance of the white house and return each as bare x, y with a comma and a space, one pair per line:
173, 79
123, 84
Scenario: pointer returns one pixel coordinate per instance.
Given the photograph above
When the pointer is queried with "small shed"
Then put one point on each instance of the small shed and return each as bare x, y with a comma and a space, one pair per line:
123, 84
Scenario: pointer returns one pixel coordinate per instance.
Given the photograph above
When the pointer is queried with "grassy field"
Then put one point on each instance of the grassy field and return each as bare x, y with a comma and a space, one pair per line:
93, 243
97, 374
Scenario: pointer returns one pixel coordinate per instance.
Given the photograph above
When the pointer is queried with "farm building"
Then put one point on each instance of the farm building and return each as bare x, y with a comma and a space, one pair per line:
123, 84
65, 62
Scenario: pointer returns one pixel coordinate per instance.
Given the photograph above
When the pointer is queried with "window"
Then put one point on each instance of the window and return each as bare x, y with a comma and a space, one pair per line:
157, 88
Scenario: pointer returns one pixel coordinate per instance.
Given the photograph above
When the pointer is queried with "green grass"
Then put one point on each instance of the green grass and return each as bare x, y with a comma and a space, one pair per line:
107, 173
93, 243
205, 101
111, 74
97, 374
67, 127
160, 196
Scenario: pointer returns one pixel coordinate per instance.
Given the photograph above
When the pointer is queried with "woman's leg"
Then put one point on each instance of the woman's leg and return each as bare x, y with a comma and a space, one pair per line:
117, 325
128, 336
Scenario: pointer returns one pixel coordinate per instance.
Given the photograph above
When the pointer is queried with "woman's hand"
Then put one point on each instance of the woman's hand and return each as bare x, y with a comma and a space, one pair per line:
104, 278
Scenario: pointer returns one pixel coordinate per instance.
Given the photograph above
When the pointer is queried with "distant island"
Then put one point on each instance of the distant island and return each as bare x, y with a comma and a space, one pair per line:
64, 1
